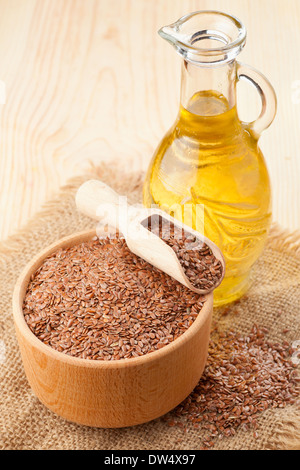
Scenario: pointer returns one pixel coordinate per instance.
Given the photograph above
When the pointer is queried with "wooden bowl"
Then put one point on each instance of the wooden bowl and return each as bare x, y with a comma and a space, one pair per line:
110, 394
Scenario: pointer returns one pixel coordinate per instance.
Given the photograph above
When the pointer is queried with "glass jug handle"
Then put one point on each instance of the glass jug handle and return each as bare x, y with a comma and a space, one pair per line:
267, 95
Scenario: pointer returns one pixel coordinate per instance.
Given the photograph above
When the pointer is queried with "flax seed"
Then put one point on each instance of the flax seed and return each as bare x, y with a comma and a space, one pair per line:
197, 259
244, 376
97, 300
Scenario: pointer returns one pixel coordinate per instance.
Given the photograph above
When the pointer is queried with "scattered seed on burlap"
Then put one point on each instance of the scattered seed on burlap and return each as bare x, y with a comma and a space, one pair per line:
98, 300
244, 376
200, 265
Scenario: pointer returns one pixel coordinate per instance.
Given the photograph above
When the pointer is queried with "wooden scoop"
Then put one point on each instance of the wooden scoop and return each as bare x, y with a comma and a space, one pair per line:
98, 201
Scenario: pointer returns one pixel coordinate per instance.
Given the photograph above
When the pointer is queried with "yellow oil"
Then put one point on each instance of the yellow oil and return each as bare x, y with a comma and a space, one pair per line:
209, 160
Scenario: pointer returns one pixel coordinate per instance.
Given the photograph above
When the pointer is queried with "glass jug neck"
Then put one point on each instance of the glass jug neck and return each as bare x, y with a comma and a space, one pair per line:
217, 83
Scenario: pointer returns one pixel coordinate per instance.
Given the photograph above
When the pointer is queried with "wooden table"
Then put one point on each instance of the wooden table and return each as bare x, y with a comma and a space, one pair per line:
90, 80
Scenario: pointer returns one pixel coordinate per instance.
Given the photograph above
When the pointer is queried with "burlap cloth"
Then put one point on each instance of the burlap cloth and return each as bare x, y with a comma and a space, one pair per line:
26, 424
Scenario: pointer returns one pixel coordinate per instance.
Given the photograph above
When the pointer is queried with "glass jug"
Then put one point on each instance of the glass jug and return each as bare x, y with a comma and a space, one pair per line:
210, 158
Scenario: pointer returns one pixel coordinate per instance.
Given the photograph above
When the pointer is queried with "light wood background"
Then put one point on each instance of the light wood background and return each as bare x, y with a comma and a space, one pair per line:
90, 81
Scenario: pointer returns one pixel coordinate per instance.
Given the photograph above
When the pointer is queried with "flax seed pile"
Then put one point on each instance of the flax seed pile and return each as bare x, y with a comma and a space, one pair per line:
200, 265
244, 376
98, 300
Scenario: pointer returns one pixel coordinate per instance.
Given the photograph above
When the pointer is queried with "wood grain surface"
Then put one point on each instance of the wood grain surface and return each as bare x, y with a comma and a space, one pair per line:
90, 80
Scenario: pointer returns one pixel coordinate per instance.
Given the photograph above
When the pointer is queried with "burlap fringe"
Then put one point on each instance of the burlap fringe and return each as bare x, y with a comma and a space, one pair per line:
287, 436
279, 238
282, 239
13, 242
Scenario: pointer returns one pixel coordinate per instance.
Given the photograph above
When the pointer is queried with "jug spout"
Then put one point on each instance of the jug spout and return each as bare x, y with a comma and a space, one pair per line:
206, 36
171, 34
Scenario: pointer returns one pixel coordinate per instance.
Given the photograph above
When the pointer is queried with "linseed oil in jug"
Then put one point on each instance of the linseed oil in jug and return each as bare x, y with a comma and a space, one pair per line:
211, 160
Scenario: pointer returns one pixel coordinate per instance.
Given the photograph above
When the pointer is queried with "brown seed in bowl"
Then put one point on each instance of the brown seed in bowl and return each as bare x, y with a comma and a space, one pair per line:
97, 300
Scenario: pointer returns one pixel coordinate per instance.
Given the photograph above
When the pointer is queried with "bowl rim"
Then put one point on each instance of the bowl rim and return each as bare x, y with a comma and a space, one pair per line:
22, 327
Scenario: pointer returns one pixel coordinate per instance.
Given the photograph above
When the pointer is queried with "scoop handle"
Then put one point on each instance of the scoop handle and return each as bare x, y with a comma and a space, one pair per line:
98, 201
